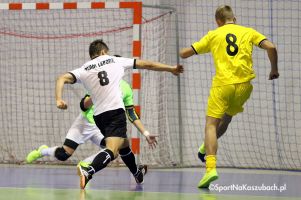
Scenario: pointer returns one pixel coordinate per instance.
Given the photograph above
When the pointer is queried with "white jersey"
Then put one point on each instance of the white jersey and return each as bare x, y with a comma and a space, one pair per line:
101, 77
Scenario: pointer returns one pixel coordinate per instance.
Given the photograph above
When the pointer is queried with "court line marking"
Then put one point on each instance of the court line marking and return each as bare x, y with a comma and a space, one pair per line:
171, 193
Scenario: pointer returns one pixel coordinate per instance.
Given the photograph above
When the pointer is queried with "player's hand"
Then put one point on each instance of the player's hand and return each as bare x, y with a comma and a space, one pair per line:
61, 104
151, 139
273, 74
178, 69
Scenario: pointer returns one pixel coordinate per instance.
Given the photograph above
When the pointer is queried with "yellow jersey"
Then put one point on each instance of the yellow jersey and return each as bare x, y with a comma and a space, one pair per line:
231, 46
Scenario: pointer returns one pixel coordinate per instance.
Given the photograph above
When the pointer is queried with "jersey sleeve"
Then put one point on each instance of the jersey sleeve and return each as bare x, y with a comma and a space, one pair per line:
127, 93
202, 46
77, 74
257, 38
126, 62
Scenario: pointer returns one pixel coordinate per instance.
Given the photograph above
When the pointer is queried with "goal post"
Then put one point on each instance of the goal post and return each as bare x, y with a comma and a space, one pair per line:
16, 15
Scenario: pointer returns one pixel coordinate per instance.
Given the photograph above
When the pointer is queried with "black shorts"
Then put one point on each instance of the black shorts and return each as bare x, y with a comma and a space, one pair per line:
112, 123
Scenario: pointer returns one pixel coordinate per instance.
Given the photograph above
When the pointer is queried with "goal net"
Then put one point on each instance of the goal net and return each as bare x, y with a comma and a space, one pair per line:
36, 45
267, 134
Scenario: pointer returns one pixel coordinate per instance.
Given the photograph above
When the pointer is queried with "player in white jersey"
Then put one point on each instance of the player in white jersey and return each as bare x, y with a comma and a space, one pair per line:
83, 129
101, 77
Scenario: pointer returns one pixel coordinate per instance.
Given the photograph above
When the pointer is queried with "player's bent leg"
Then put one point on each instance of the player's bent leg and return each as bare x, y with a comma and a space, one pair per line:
99, 140
102, 159
87, 161
216, 107
86, 172
221, 130
35, 154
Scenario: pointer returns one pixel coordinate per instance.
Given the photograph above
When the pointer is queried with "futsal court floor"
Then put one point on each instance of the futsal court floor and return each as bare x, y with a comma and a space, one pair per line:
41, 182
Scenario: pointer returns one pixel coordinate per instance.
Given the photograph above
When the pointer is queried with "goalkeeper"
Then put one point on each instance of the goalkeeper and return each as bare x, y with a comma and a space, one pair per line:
84, 128
231, 46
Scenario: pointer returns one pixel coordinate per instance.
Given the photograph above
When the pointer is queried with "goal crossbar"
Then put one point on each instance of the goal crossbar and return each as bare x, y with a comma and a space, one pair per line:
136, 8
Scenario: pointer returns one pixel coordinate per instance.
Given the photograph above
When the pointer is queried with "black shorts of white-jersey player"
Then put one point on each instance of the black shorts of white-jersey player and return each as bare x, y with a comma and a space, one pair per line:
101, 77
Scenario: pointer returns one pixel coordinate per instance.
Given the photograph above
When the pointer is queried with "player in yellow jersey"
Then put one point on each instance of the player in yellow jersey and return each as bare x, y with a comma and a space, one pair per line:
231, 46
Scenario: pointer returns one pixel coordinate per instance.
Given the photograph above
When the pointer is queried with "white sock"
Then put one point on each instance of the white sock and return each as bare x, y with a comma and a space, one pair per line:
49, 151
91, 158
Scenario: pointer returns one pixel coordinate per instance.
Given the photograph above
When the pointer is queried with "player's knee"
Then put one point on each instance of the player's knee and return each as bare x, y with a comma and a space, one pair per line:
61, 154
112, 152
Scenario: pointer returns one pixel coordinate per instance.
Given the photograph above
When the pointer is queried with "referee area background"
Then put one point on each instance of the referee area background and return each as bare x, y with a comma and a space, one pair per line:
258, 158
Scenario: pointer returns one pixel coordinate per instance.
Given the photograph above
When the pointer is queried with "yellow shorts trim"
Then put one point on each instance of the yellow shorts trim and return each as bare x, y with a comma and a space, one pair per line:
228, 99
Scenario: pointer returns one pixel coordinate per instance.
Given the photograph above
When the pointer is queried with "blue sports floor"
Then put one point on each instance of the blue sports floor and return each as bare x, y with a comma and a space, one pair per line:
40, 182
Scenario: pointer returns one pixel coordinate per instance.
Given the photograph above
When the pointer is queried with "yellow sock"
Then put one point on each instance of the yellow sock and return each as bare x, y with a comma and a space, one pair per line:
210, 162
202, 148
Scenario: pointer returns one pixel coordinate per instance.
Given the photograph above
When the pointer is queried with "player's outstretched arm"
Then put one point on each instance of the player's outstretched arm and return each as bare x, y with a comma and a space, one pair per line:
150, 138
134, 118
66, 78
187, 52
273, 57
156, 66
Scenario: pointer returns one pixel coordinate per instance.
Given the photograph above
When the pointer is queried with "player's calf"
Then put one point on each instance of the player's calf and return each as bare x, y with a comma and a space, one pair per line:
86, 171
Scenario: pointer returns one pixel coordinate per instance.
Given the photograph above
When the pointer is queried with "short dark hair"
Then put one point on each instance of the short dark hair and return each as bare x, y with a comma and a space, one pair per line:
96, 47
224, 13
